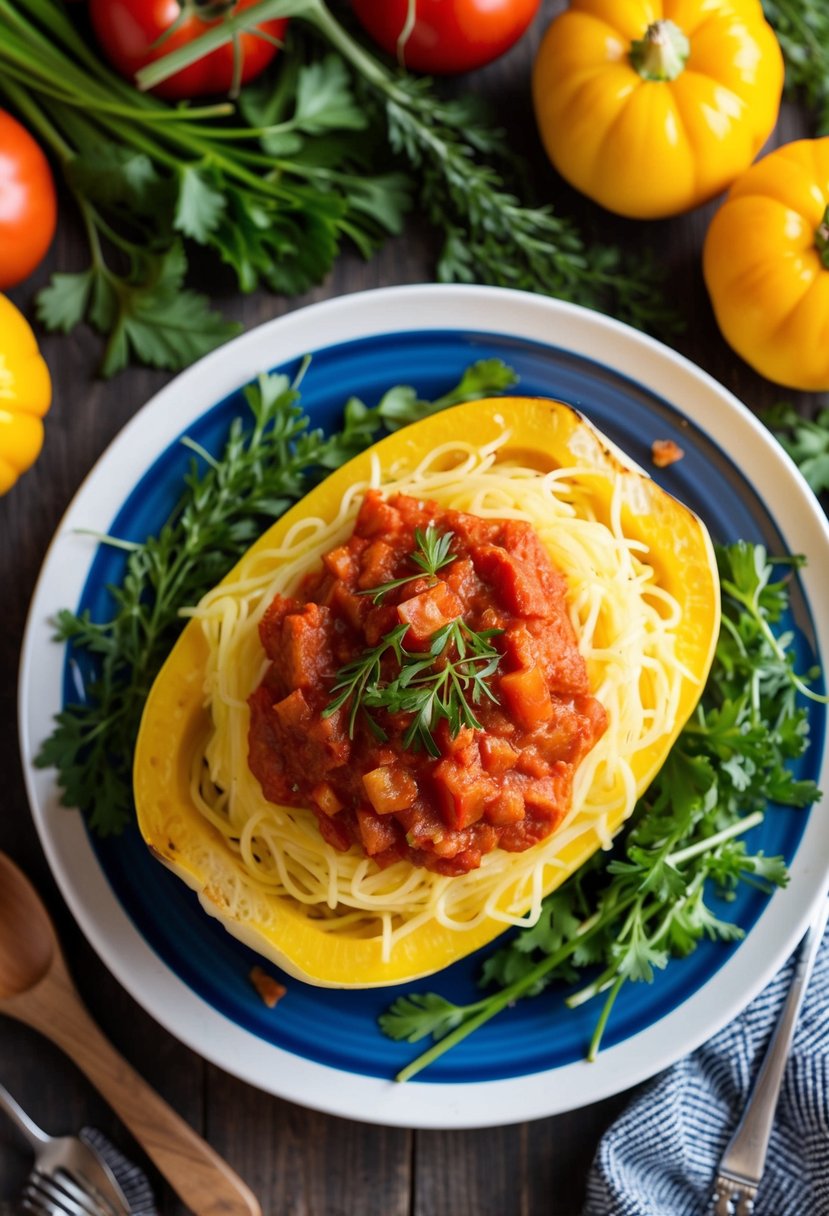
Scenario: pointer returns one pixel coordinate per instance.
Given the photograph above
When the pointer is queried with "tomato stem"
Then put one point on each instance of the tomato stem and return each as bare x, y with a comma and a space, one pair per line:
822, 239
662, 53
406, 32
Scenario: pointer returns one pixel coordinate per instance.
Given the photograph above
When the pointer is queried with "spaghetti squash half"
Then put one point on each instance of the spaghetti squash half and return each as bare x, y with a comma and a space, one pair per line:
642, 596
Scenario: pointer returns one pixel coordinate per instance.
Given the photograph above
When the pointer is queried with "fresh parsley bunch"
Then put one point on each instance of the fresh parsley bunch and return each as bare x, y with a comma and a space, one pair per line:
455, 158
151, 181
623, 915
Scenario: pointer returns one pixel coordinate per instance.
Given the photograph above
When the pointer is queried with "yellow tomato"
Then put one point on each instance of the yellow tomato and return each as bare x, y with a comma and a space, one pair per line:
766, 265
25, 395
653, 106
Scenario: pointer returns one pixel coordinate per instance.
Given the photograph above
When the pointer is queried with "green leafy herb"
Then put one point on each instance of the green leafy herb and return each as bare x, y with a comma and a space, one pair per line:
441, 685
489, 235
363, 673
802, 29
806, 440
227, 502
147, 176
622, 916
432, 552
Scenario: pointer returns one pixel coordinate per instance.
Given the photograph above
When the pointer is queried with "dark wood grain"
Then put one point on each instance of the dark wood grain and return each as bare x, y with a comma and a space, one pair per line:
300, 1163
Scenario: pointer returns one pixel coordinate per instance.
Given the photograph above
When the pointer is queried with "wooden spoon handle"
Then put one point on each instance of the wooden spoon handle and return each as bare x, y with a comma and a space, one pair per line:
202, 1180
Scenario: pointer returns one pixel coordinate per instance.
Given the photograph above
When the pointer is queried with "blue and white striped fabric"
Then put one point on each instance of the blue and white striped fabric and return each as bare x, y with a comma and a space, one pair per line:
660, 1157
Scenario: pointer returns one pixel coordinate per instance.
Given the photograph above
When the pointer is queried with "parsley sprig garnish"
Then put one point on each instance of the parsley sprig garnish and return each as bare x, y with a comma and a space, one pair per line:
363, 675
441, 684
431, 553
269, 460
623, 915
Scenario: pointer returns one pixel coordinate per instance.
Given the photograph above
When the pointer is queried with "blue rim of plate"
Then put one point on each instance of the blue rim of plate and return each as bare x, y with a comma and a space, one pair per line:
513, 321
338, 1029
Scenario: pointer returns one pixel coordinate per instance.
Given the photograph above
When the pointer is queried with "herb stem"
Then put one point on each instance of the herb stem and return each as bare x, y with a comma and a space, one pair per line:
713, 842
23, 102
601, 1024
750, 604
493, 1005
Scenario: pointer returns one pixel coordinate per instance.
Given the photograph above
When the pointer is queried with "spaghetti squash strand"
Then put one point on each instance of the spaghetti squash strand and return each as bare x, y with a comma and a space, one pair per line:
624, 621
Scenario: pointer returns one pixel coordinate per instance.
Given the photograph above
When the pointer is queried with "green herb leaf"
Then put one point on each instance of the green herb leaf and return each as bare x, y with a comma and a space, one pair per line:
200, 203
802, 29
431, 553
805, 439
269, 460
420, 1014
160, 322
622, 916
443, 685
110, 173
325, 100
62, 304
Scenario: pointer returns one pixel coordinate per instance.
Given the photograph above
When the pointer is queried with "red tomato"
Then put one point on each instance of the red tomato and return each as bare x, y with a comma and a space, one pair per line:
446, 35
129, 29
28, 206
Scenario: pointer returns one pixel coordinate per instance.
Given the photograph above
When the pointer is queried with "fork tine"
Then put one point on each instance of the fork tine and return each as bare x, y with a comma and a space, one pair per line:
63, 1193
79, 1188
28, 1204
36, 1203
83, 1188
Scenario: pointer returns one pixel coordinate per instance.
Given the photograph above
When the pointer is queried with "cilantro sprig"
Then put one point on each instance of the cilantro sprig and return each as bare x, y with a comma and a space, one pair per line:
622, 916
269, 460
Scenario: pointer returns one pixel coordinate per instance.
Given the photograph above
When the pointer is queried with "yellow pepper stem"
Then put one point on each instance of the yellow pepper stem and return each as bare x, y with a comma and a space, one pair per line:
822, 238
662, 53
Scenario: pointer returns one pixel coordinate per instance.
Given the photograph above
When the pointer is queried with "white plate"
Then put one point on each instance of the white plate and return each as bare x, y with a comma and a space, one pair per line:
598, 364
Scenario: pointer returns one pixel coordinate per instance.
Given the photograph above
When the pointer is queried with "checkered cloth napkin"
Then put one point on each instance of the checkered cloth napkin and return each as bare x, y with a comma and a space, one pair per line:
660, 1157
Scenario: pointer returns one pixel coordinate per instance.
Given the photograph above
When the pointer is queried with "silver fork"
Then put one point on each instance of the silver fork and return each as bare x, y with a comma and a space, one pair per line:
68, 1178
742, 1164
57, 1195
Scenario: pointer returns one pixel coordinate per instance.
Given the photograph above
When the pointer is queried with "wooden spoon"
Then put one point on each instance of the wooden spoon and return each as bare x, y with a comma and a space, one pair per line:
36, 988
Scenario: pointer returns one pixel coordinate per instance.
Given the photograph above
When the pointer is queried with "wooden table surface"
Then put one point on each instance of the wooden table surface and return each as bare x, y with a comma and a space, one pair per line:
299, 1163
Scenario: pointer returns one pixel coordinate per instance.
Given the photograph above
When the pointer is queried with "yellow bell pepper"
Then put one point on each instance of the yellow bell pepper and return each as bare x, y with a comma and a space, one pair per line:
651, 107
25, 395
175, 722
766, 265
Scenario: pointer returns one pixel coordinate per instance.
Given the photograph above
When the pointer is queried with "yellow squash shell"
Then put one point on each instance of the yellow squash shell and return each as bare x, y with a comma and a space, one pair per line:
545, 435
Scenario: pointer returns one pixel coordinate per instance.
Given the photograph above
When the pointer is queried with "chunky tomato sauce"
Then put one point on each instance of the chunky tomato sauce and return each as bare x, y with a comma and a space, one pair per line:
506, 785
